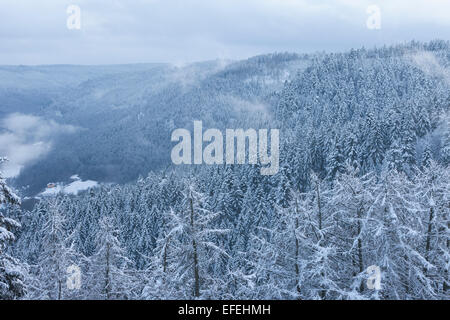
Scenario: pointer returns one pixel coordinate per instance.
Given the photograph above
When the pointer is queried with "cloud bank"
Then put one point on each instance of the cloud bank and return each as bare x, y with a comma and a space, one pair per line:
179, 31
428, 63
26, 138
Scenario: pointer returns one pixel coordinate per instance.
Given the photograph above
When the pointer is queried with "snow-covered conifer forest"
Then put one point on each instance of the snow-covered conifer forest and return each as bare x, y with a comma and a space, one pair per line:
363, 181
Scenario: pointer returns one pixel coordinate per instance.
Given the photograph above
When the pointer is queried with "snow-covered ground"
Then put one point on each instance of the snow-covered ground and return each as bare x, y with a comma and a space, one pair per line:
74, 188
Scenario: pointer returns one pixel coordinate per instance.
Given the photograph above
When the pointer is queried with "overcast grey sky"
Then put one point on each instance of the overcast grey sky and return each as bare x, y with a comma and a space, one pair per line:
180, 31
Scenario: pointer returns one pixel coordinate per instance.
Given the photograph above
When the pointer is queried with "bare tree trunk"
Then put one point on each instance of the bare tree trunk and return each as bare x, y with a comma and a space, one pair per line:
360, 253
59, 289
194, 245
297, 250
430, 228
445, 286
165, 256
319, 208
107, 273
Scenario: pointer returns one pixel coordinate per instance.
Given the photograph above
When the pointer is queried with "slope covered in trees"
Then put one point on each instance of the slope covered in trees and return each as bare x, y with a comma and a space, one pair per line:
363, 182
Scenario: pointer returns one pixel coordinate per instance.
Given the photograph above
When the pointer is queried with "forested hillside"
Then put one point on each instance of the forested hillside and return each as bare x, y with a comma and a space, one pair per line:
124, 117
363, 181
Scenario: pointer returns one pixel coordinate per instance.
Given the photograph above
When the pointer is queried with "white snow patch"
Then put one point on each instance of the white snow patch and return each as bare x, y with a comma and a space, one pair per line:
52, 191
74, 188
79, 185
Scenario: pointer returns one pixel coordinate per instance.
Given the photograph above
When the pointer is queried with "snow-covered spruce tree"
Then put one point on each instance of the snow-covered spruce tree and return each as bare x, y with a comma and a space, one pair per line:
374, 143
394, 159
427, 156
277, 255
350, 201
7, 196
262, 274
432, 188
187, 251
110, 275
396, 235
335, 160
408, 148
320, 262
422, 121
29, 243
56, 255
87, 226
11, 270
158, 282
351, 149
